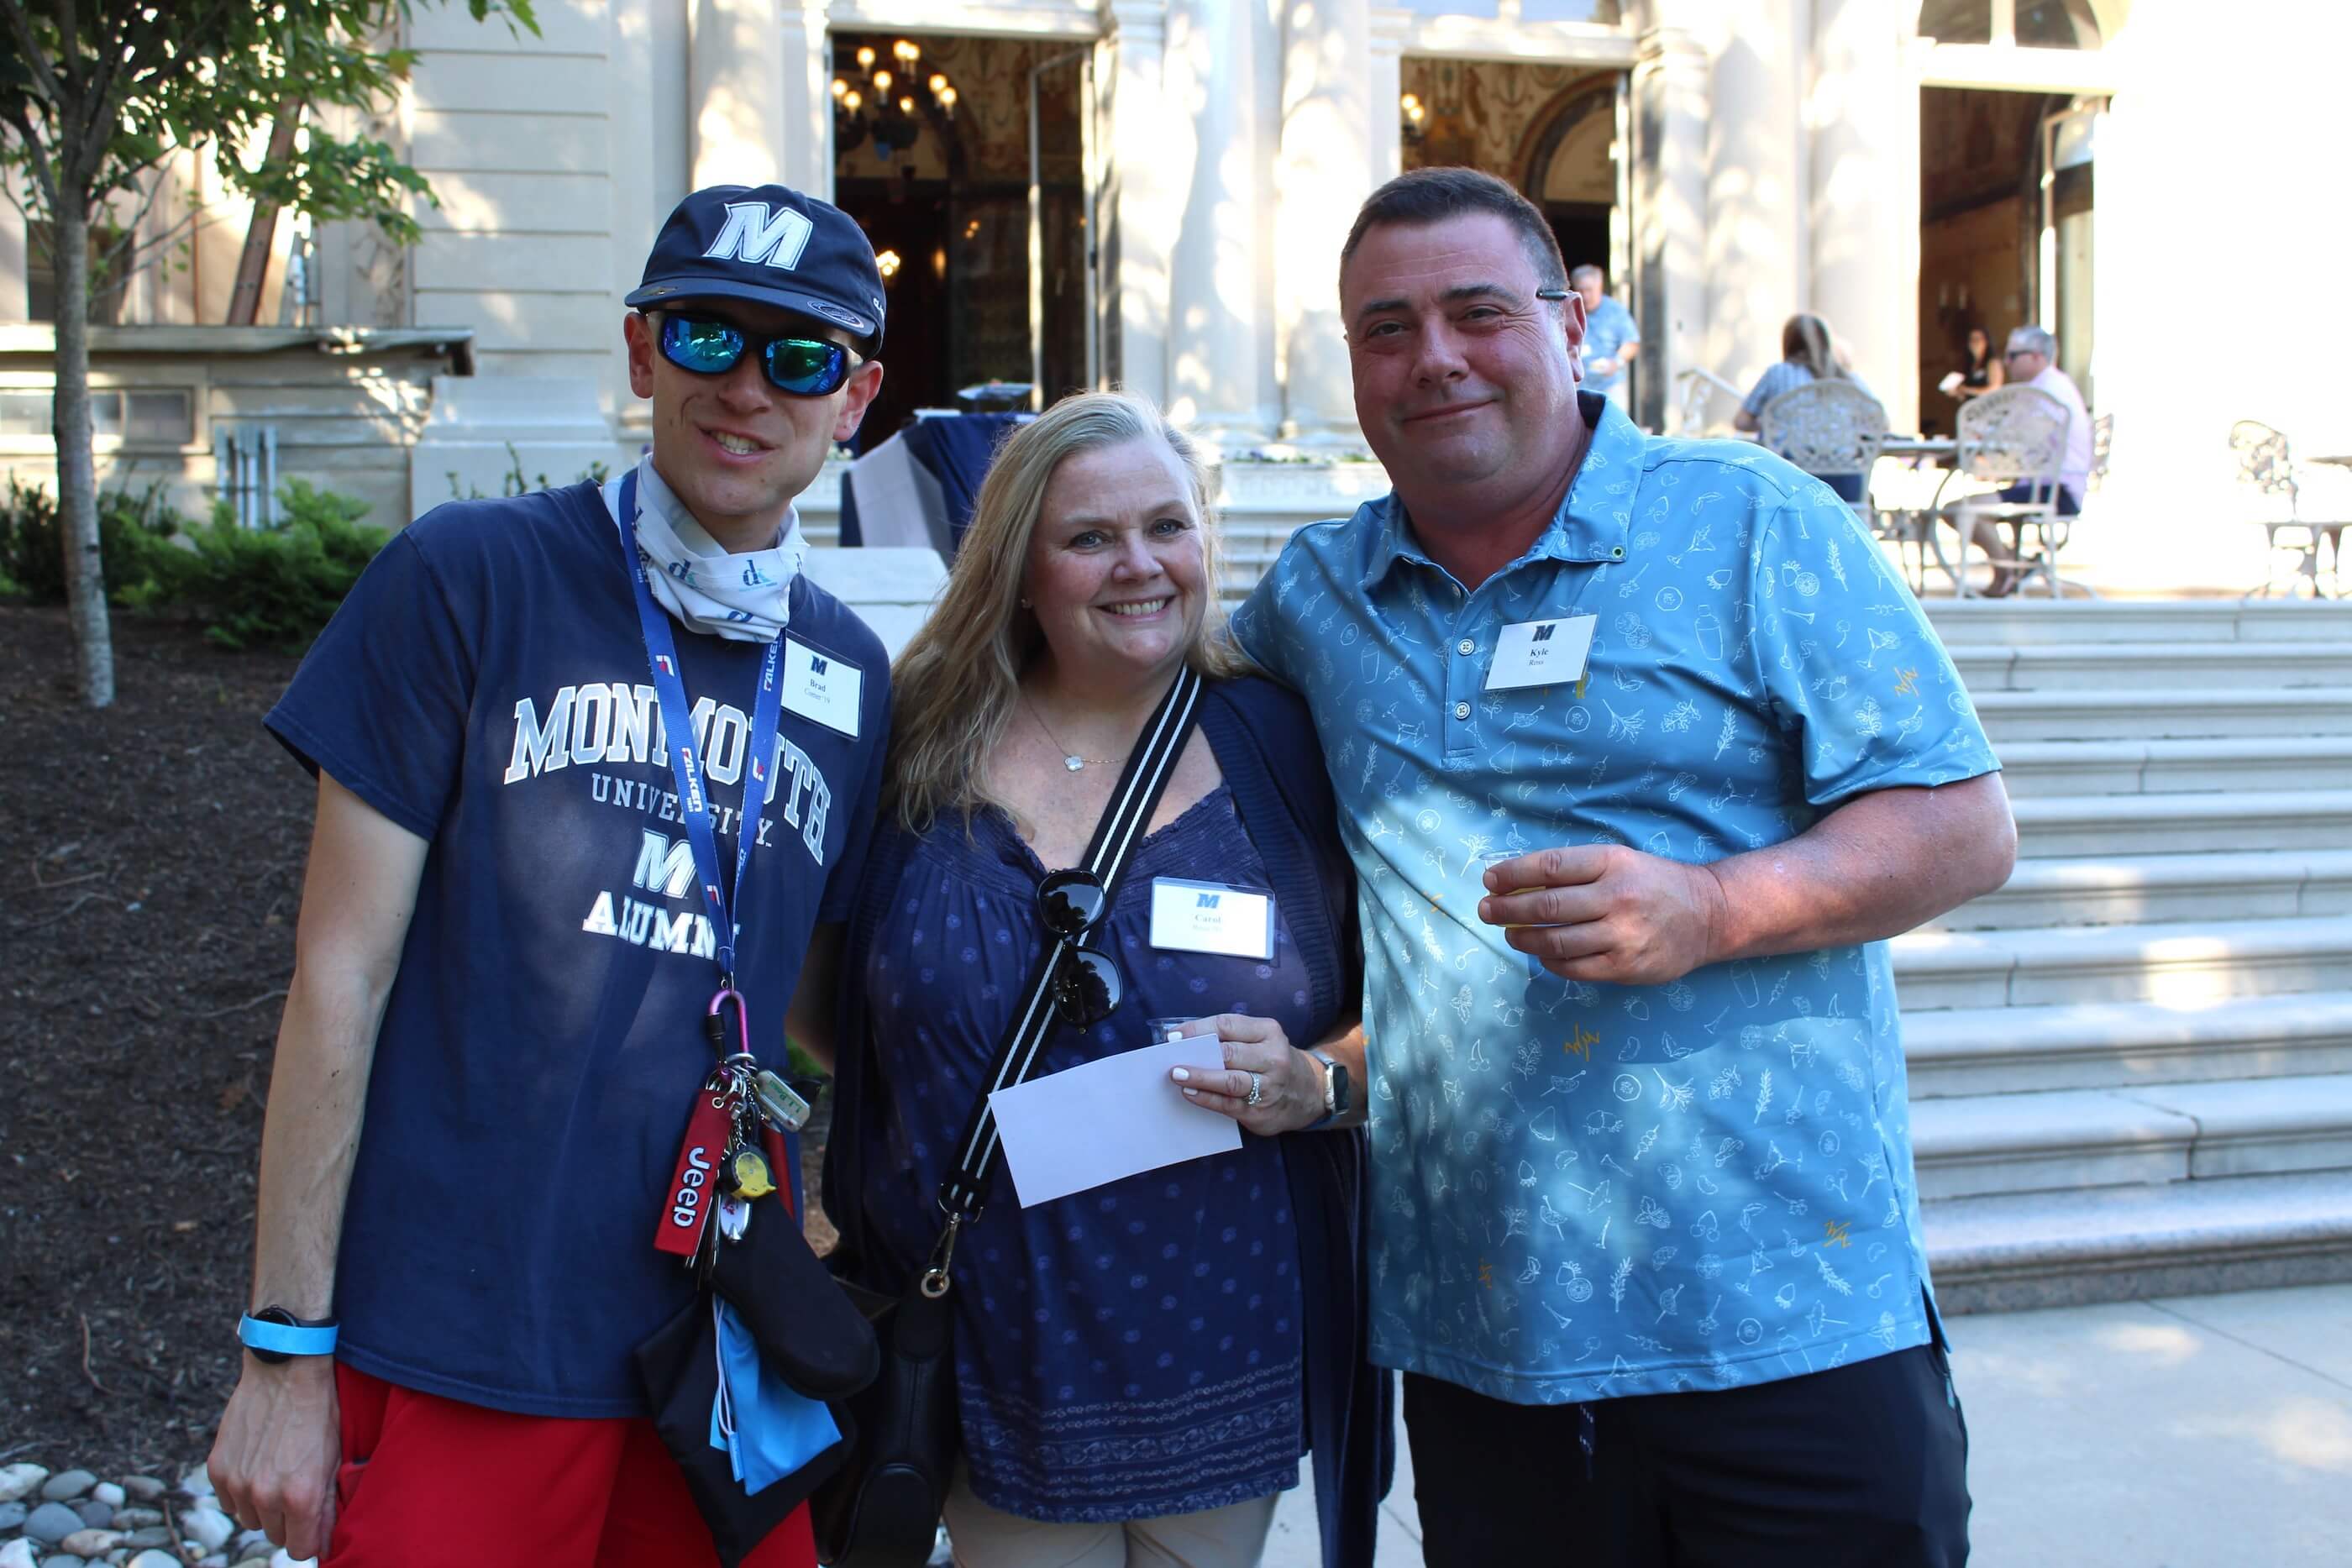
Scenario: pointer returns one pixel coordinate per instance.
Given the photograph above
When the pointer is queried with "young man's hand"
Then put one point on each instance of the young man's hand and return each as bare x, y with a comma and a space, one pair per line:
274, 1460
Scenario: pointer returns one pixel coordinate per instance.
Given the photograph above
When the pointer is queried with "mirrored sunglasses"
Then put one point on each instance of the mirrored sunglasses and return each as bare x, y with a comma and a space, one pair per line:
1086, 986
803, 367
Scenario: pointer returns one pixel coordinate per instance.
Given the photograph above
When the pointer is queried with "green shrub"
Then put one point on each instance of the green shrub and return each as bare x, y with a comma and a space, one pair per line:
134, 535
266, 587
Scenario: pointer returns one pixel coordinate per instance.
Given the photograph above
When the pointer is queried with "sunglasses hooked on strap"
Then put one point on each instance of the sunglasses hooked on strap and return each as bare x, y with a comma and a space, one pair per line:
1086, 984
802, 367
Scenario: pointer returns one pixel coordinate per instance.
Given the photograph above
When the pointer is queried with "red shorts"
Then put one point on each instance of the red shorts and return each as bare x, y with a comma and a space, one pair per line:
429, 1480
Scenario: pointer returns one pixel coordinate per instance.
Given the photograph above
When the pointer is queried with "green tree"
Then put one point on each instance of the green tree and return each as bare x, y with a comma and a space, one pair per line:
96, 95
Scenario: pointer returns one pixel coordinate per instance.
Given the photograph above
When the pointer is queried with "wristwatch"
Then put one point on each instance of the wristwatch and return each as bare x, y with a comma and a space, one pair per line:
275, 1336
1337, 1096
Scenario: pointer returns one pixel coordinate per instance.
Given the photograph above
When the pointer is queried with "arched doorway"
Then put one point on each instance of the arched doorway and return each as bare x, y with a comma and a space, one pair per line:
1568, 166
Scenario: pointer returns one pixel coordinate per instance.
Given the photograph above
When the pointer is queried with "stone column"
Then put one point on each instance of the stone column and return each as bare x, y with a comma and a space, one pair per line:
735, 90
1670, 172
806, 157
1323, 172
1219, 321
1757, 192
1389, 25
1140, 204
1862, 108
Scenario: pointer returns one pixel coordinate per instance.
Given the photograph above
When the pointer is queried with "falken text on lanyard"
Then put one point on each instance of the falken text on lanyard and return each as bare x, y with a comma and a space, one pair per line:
724, 900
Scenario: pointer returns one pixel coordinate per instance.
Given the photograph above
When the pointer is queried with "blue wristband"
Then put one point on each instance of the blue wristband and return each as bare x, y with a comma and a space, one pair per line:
281, 1340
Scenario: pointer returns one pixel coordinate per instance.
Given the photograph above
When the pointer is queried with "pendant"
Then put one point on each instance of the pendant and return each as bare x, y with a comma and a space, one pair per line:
1074, 763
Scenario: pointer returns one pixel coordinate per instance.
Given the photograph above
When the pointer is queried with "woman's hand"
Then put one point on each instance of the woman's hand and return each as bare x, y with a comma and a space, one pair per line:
1289, 1081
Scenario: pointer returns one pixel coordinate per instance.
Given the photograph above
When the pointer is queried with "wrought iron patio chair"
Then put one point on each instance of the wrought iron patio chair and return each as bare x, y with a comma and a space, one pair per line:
2012, 437
2266, 473
1833, 430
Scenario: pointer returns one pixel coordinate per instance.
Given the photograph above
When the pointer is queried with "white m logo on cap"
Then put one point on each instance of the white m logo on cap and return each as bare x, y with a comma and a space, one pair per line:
751, 236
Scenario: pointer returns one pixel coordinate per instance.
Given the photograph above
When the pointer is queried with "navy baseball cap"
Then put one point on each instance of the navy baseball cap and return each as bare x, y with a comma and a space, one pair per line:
770, 245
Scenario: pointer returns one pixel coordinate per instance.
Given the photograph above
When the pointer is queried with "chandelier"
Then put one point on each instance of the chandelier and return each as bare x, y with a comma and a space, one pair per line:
887, 101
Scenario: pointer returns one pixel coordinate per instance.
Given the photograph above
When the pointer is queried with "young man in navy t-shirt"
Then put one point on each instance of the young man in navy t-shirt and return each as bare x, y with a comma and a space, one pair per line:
521, 901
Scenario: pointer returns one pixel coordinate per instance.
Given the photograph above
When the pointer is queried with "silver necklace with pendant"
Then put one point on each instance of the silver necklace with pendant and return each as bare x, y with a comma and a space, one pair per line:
1070, 760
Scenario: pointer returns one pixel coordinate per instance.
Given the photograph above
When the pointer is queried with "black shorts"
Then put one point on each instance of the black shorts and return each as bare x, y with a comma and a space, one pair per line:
1864, 1466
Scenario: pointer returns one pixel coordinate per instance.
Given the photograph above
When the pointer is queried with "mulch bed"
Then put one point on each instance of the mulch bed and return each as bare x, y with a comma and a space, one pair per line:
151, 866
151, 857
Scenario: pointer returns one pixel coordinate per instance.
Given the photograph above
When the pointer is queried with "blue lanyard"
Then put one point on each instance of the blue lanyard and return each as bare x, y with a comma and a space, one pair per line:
693, 800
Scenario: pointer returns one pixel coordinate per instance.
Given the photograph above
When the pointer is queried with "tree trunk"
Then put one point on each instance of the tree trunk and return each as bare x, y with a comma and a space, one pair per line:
76, 463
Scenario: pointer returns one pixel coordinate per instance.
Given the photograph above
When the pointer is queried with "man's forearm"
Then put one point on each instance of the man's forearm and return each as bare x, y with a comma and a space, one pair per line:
1877, 866
318, 1096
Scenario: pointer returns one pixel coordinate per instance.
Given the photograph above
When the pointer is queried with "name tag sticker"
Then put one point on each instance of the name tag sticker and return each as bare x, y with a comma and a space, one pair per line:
822, 687
1210, 917
1541, 653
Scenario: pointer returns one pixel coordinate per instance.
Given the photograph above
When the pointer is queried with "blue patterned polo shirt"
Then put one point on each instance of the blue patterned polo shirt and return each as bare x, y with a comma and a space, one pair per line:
1586, 1191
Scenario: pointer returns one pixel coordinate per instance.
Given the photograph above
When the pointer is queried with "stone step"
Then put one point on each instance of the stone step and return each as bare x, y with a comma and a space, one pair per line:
2046, 666
2012, 624
2171, 713
1961, 1051
2085, 825
2120, 1243
2182, 965
2064, 1139
2162, 889
2034, 769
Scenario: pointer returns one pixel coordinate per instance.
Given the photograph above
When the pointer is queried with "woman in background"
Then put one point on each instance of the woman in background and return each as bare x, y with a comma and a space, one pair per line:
1808, 353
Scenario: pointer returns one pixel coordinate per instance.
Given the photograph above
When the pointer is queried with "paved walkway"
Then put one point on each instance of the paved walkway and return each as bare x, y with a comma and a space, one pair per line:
2196, 1432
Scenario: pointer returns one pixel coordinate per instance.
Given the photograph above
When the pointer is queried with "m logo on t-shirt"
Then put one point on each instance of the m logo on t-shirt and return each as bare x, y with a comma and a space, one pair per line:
751, 236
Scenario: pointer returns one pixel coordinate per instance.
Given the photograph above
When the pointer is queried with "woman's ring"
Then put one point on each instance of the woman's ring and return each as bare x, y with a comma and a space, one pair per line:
1256, 1085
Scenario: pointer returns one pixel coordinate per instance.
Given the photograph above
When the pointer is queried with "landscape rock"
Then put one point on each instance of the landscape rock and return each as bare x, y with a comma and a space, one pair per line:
51, 1522
146, 1488
154, 1560
207, 1526
136, 1518
251, 1543
20, 1481
92, 1542
12, 1514
109, 1493
151, 1535
281, 1559
67, 1485
94, 1513
18, 1553
63, 1559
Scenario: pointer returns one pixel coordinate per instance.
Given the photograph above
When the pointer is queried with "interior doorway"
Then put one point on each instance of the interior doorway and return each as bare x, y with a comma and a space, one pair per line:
2007, 231
932, 157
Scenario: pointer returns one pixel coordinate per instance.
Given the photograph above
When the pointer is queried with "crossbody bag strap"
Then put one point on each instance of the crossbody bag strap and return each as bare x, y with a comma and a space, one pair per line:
1140, 786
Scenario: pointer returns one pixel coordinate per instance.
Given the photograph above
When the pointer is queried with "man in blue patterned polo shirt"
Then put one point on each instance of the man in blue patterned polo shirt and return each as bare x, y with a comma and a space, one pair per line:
1645, 1238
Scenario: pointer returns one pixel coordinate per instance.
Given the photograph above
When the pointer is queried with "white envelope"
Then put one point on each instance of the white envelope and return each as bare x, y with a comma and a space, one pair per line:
1086, 1125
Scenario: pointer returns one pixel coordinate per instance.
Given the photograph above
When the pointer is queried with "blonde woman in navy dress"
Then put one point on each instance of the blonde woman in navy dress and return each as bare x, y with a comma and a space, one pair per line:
1139, 1367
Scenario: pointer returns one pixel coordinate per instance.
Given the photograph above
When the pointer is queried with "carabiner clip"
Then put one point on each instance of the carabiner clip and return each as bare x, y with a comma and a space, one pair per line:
714, 1026
935, 1278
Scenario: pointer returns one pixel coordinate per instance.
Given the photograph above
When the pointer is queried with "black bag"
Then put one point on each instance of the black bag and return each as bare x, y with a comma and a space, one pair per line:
679, 1368
810, 1333
881, 1506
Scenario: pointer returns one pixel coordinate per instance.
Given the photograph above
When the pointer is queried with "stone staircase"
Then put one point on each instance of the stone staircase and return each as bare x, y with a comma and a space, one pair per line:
2131, 1068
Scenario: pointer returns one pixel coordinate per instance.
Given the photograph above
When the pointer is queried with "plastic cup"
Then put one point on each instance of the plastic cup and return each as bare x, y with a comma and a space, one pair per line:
1488, 862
